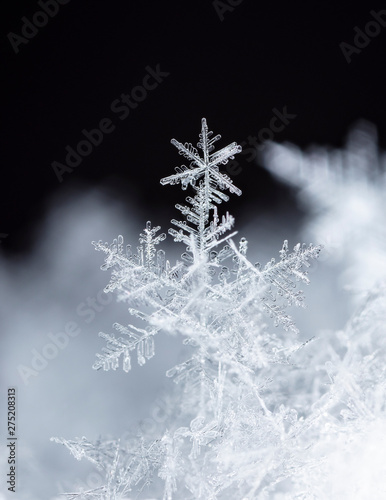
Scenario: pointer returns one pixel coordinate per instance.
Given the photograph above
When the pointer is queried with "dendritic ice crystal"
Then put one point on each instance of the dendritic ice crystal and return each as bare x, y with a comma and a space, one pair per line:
234, 421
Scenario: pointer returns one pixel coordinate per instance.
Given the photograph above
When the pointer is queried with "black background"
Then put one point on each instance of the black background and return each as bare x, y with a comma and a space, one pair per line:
233, 71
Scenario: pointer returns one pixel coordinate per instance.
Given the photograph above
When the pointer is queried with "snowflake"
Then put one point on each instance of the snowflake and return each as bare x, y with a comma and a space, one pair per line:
224, 427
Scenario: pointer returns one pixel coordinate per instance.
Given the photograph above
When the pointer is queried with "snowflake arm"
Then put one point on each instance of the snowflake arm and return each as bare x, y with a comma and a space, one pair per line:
206, 166
212, 182
138, 338
282, 276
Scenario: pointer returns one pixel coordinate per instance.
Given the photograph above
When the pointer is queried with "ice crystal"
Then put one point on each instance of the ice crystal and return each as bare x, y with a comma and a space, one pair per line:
226, 437
343, 193
344, 428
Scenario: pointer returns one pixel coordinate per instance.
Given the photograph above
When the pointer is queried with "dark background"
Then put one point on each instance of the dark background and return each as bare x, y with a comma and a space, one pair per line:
233, 71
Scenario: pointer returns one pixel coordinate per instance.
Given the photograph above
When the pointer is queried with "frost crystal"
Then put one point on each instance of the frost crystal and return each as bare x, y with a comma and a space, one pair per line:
343, 192
226, 436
